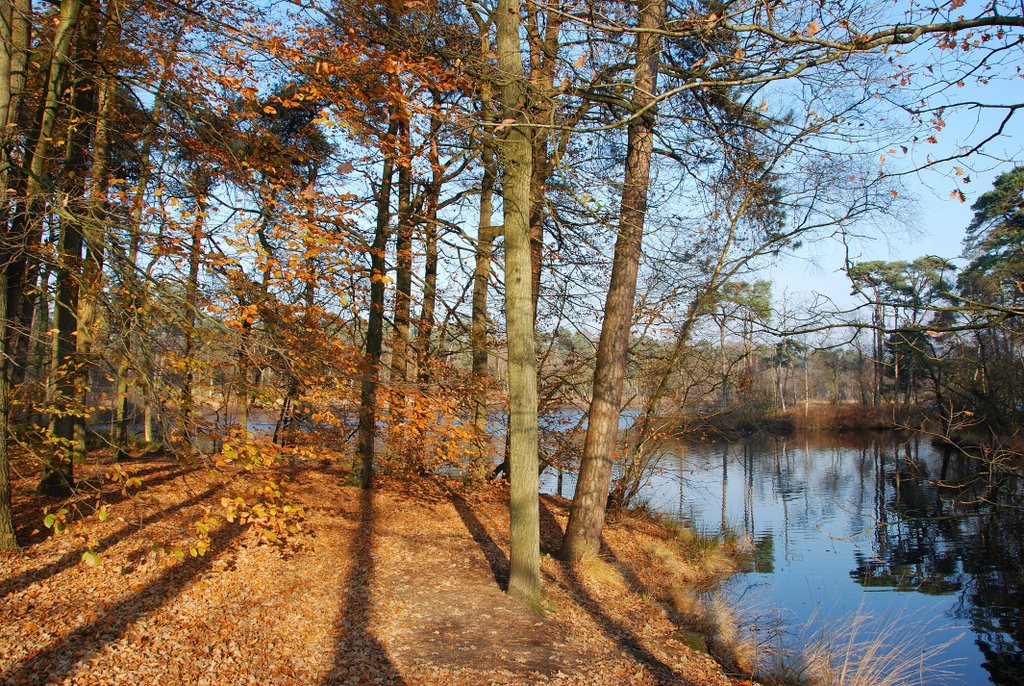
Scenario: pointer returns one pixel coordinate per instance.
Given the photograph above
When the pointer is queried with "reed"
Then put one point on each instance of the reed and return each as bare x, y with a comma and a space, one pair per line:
859, 652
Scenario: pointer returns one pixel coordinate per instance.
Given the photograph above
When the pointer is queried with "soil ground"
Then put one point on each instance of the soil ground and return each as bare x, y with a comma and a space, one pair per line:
401, 585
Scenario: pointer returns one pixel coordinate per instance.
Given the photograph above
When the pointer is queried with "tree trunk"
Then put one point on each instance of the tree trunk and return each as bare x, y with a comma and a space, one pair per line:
403, 256
69, 447
481, 281
135, 297
514, 147
40, 324
425, 330
485, 236
195, 255
586, 517
543, 71
26, 224
15, 40
95, 239
8, 541
362, 467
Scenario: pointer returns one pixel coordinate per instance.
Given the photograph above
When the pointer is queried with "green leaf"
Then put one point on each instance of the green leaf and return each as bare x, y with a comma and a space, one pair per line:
92, 559
49, 520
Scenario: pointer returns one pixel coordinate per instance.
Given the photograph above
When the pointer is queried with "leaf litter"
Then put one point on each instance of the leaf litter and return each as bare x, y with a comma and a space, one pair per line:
399, 586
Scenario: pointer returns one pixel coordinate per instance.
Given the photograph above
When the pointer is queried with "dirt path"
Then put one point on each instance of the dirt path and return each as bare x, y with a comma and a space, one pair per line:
401, 586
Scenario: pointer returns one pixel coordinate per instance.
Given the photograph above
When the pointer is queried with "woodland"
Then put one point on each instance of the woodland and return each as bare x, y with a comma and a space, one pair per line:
375, 247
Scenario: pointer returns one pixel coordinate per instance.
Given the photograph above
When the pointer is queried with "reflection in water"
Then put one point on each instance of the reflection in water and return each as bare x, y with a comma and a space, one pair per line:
890, 528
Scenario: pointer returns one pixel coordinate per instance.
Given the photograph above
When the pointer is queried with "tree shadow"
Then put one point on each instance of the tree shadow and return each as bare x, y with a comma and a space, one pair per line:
626, 639
29, 515
494, 555
357, 653
71, 558
57, 661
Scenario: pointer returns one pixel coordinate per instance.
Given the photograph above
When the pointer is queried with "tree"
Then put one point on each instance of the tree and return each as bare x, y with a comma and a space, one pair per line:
993, 243
516, 157
586, 518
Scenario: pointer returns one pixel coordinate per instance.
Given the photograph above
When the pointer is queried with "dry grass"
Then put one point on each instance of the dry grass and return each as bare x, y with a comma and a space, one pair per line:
688, 564
859, 652
853, 417
603, 572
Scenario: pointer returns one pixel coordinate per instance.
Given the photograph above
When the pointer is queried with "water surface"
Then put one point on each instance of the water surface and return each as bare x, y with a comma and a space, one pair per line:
921, 541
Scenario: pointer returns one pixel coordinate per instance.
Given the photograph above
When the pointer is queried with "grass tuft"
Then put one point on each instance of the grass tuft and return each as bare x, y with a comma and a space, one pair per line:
859, 652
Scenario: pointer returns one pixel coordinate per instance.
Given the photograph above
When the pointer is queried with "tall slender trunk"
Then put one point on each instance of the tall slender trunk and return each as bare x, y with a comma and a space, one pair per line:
879, 340
425, 329
482, 270
8, 540
95, 239
807, 383
723, 359
514, 147
135, 287
362, 467
195, 255
543, 71
15, 41
24, 228
586, 517
481, 281
40, 324
58, 469
403, 255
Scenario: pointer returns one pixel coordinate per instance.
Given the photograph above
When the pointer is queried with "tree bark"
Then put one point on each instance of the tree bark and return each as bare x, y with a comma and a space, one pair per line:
14, 55
403, 255
8, 540
94, 236
586, 516
481, 281
514, 146
362, 467
58, 470
485, 237
195, 255
543, 70
425, 330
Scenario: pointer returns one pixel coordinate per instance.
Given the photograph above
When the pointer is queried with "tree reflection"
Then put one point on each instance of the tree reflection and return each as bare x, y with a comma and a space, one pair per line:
961, 537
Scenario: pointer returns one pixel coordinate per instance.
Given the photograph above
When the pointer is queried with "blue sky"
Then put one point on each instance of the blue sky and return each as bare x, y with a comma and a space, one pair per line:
936, 221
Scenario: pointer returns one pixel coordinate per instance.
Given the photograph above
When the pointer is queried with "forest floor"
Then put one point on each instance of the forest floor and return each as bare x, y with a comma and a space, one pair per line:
401, 585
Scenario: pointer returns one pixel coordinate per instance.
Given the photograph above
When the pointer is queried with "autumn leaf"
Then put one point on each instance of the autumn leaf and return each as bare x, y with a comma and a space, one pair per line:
957, 194
505, 123
813, 28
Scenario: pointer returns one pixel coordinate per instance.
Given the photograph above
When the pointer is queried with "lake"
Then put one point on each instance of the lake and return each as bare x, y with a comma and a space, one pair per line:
887, 534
